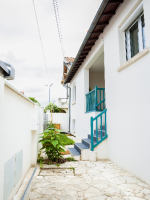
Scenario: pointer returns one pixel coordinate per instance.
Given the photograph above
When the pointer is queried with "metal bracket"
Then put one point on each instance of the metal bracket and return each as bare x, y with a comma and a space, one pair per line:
7, 70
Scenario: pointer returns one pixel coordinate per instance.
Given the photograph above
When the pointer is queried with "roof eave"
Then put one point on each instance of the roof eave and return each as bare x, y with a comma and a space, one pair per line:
94, 22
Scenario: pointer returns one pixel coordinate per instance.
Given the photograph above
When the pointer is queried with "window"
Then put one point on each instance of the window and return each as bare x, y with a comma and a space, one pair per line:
143, 31
73, 126
135, 37
74, 93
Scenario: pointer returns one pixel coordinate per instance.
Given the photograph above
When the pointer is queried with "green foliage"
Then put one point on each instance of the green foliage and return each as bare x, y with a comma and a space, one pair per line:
57, 164
34, 100
51, 144
72, 168
39, 159
53, 108
50, 125
90, 89
41, 165
70, 159
65, 140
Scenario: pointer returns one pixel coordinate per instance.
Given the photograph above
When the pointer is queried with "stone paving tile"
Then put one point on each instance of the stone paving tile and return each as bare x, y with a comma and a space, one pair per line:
101, 180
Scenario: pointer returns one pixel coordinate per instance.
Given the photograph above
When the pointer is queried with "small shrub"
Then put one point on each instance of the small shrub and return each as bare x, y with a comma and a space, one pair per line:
34, 100
53, 108
51, 144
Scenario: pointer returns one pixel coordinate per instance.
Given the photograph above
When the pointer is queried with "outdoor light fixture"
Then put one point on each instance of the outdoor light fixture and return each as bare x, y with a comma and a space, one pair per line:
7, 70
49, 90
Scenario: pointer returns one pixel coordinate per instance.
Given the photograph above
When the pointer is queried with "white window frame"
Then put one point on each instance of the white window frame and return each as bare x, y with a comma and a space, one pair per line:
140, 37
74, 93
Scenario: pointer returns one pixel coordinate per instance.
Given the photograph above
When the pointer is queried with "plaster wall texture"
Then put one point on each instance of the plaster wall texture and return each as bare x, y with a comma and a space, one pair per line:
64, 104
127, 121
16, 112
62, 119
102, 150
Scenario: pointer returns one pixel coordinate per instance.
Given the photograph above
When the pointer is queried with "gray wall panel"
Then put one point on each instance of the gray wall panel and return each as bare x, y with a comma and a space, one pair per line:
13, 169
9, 177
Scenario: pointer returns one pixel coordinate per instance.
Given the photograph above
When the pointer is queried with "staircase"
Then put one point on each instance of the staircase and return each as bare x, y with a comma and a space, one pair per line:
81, 150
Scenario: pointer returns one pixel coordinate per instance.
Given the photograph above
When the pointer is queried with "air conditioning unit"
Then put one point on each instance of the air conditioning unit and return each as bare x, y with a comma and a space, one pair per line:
7, 70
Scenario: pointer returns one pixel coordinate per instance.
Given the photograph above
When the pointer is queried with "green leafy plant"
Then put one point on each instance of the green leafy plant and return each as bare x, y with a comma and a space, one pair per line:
65, 140
34, 100
57, 164
39, 159
51, 144
90, 89
53, 108
50, 125
70, 159
72, 168
41, 165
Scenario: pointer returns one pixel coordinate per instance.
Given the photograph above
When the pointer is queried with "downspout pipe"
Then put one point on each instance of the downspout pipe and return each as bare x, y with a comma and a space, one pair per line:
69, 102
67, 84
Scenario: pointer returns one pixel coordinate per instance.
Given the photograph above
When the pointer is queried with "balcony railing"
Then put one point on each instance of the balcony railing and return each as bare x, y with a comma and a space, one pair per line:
95, 100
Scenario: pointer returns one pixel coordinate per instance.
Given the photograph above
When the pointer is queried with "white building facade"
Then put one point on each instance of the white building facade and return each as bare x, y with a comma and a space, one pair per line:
21, 120
117, 67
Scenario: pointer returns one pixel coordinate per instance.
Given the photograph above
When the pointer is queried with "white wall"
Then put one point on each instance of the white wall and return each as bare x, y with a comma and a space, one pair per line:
127, 121
62, 119
16, 112
64, 104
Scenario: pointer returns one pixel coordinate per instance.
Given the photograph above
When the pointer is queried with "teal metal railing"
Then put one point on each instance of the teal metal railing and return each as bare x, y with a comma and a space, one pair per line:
95, 100
100, 133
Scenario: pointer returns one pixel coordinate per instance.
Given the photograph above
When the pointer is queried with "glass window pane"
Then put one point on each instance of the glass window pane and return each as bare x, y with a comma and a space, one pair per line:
126, 44
143, 31
134, 39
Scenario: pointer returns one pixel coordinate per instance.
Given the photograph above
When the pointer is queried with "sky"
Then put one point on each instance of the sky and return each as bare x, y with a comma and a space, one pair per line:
20, 43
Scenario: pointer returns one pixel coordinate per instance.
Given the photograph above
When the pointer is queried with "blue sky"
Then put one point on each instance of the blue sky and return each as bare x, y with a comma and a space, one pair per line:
20, 44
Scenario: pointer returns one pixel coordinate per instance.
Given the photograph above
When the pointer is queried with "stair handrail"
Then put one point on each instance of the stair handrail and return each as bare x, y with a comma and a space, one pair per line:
97, 94
102, 138
100, 103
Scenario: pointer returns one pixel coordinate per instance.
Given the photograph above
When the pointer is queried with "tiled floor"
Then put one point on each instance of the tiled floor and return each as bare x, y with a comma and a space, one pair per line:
101, 180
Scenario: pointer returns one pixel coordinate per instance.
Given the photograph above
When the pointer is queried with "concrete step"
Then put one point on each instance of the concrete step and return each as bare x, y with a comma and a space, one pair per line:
80, 146
74, 153
83, 150
99, 132
94, 137
87, 142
